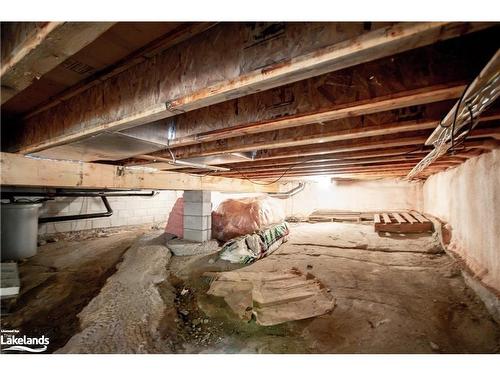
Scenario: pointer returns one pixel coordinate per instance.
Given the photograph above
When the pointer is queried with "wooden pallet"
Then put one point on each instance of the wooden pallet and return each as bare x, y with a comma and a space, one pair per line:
402, 222
338, 215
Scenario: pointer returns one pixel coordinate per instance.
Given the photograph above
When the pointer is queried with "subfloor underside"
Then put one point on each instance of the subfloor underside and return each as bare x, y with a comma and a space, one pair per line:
393, 294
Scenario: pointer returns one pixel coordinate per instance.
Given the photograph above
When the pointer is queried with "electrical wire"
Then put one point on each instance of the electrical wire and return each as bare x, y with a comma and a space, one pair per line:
457, 110
304, 162
455, 119
471, 126
171, 154
272, 182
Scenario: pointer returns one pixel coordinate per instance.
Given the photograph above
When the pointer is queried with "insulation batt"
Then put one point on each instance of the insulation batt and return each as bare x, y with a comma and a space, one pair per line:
238, 217
175, 223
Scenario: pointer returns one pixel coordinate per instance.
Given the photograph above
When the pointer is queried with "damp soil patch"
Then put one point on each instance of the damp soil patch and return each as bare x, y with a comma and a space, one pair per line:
52, 297
200, 323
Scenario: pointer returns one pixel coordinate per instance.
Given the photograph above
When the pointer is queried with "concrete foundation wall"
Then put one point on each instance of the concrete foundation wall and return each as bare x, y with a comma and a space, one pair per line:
468, 199
126, 211
381, 195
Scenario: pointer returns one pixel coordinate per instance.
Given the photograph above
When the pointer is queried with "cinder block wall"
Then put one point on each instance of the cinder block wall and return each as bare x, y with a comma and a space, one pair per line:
362, 196
126, 211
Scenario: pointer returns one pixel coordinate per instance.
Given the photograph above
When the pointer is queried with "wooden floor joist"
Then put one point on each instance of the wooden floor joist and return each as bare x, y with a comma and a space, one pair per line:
340, 157
18, 170
240, 136
333, 170
367, 144
305, 135
333, 166
184, 79
45, 47
162, 43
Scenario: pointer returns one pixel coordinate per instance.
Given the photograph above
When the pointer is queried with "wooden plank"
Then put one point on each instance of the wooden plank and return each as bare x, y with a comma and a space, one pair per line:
43, 51
404, 228
387, 219
249, 121
194, 75
333, 171
380, 164
178, 35
329, 167
356, 157
9, 280
404, 225
18, 170
398, 218
419, 217
409, 218
363, 107
305, 135
305, 163
362, 144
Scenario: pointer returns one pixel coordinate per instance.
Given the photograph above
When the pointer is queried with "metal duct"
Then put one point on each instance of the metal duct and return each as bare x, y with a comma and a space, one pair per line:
289, 193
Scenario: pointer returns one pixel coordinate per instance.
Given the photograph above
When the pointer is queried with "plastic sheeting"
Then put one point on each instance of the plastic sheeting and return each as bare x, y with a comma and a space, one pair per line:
238, 217
273, 297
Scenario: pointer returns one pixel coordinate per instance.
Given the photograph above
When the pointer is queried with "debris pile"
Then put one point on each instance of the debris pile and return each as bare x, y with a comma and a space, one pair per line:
239, 217
247, 249
272, 297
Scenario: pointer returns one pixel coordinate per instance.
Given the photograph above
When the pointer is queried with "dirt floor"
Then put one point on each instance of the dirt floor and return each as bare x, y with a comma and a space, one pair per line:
59, 281
393, 294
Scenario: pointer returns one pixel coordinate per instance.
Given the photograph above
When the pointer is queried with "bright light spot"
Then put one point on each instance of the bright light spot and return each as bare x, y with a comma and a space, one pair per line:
323, 181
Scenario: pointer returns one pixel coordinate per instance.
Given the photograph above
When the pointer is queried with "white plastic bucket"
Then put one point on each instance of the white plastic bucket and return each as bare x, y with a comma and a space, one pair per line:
19, 230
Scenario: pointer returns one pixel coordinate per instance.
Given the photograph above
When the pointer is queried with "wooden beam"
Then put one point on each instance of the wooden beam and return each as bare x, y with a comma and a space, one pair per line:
392, 151
327, 133
44, 49
363, 156
363, 107
226, 62
18, 170
376, 156
306, 163
309, 134
305, 102
369, 143
334, 169
162, 43
343, 146
298, 167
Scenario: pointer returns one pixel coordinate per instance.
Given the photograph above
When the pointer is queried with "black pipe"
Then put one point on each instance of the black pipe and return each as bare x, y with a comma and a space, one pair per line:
52, 219
75, 193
